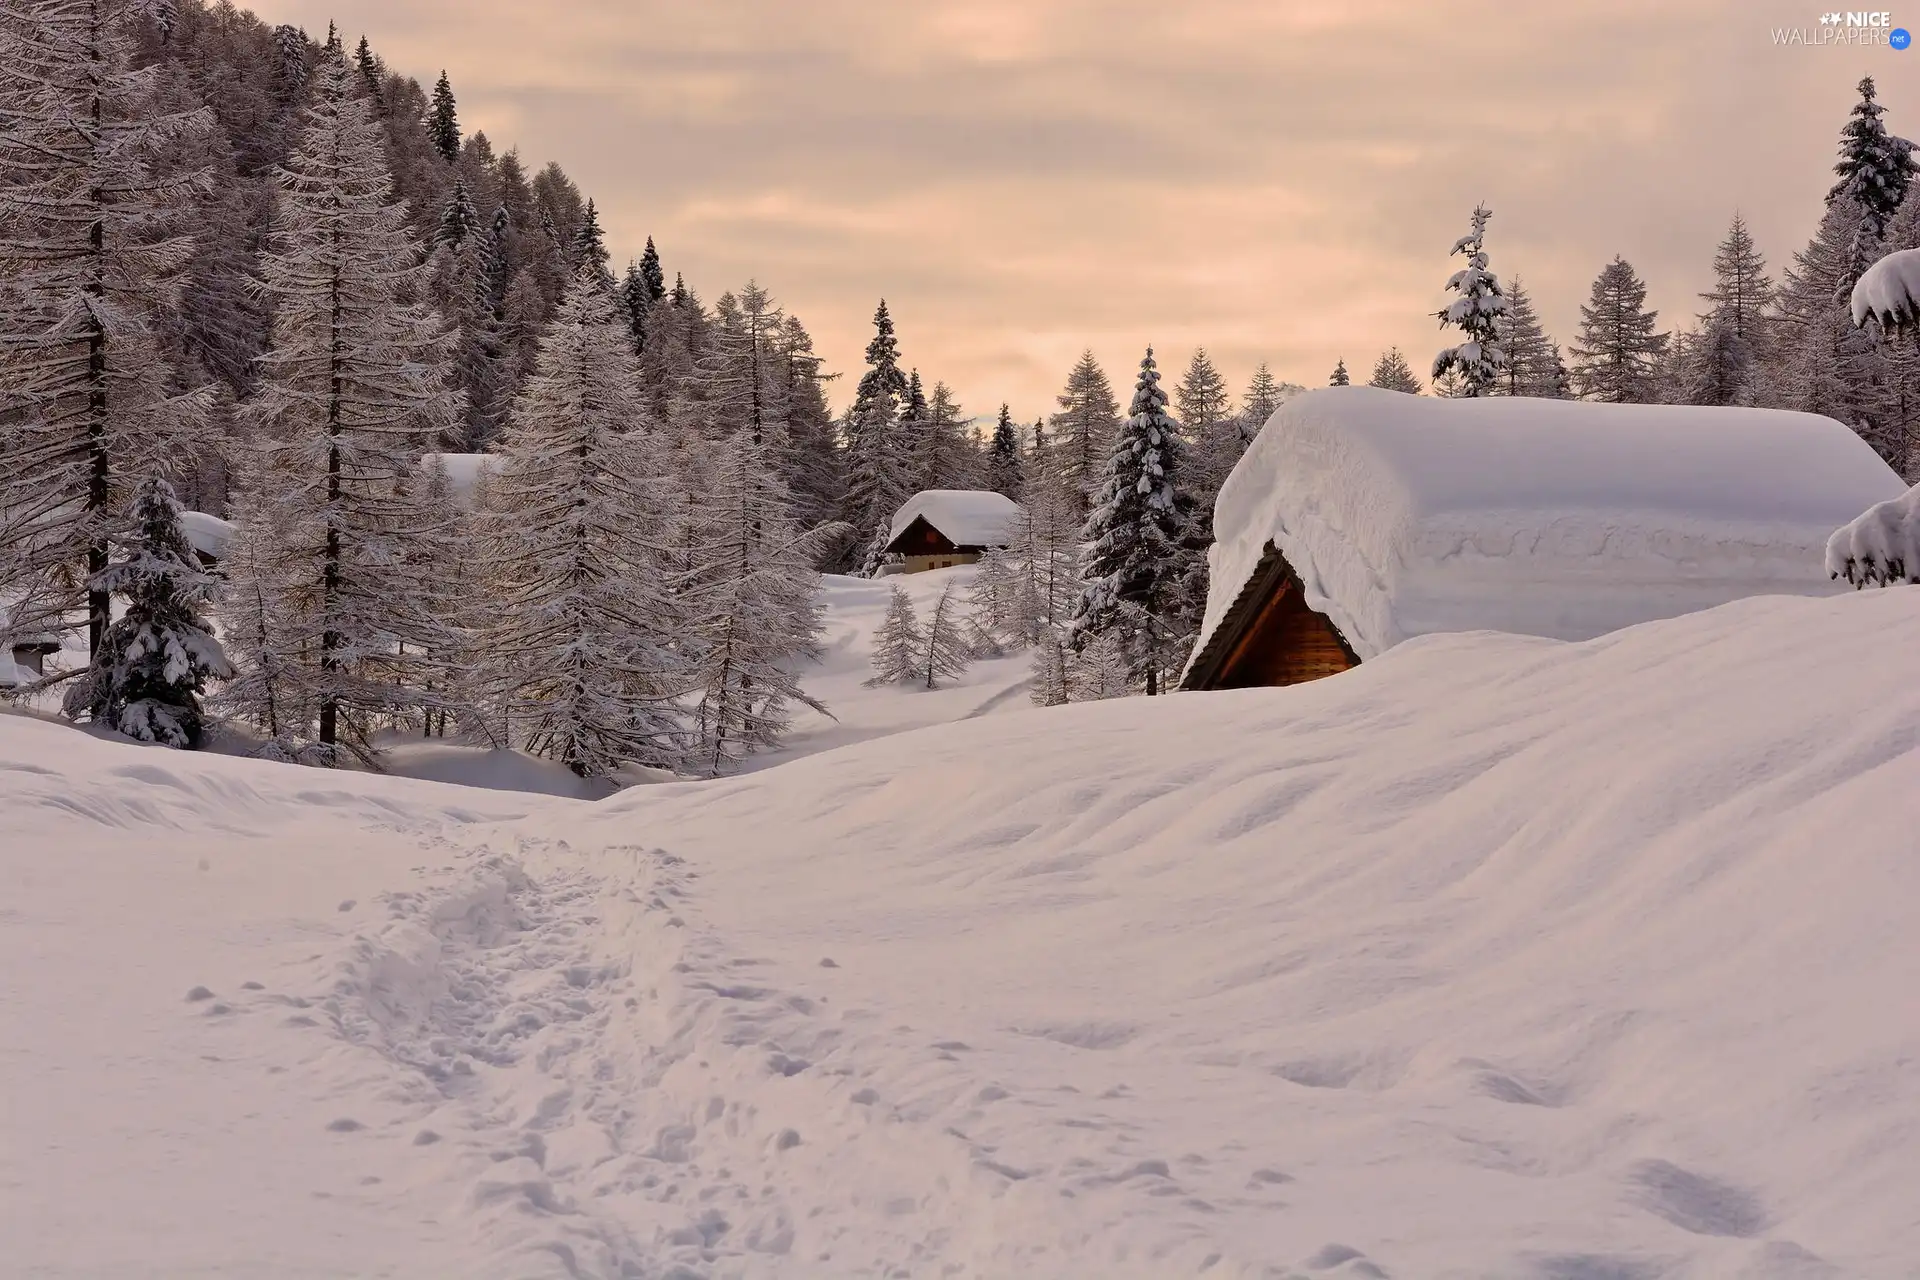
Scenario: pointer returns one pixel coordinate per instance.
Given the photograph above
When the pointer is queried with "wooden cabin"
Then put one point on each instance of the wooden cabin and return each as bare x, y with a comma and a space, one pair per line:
30, 654
1269, 636
940, 528
1361, 518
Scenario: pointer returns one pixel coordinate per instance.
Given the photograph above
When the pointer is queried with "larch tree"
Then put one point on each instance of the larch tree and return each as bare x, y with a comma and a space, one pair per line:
1132, 538
443, 122
808, 456
1531, 354
1263, 395
1083, 430
582, 652
91, 264
1614, 359
1478, 312
1204, 407
1391, 372
943, 652
747, 599
356, 386
149, 673
897, 642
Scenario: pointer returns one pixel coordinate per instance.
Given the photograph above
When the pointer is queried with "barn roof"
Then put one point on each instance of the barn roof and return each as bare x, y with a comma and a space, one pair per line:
967, 517
1405, 515
209, 535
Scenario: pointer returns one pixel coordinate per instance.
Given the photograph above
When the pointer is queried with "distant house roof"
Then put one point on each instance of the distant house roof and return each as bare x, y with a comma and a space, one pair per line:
1404, 515
463, 471
965, 517
209, 535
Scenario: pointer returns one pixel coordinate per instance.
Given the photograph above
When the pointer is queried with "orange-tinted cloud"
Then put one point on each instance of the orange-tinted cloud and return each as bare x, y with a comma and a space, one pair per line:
1273, 180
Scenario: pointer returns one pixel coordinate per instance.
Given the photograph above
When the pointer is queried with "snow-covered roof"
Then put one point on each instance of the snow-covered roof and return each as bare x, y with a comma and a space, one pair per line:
967, 517
13, 676
1405, 515
1880, 545
1889, 291
463, 471
209, 535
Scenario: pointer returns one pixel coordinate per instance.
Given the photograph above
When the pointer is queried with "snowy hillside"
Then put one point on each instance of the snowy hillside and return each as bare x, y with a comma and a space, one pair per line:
1497, 956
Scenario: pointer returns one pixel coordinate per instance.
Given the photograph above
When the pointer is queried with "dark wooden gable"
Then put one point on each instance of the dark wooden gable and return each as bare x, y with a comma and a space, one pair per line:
921, 539
1269, 636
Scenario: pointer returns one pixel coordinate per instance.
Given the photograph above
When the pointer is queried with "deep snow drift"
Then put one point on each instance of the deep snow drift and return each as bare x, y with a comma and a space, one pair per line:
1498, 956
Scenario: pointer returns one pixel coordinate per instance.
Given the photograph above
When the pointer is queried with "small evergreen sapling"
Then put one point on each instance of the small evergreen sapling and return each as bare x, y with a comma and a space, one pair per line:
1339, 378
898, 642
156, 658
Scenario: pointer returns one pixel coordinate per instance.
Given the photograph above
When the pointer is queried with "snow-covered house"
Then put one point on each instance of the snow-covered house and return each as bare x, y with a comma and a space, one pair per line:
25, 658
937, 528
1360, 518
208, 535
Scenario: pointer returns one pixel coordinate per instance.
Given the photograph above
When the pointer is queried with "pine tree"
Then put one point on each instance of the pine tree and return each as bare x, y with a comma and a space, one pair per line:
1132, 537
91, 267
1614, 359
372, 72
898, 642
1005, 474
1531, 354
635, 299
458, 219
1875, 170
1083, 430
590, 245
1478, 313
443, 124
488, 361
879, 476
583, 649
650, 272
1392, 373
150, 670
354, 388
1339, 378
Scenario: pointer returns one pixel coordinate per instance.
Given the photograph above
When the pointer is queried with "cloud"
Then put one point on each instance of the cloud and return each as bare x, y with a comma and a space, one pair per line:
1026, 178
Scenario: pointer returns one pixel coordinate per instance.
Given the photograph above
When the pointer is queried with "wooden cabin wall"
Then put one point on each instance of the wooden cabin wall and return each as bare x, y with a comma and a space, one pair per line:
1287, 644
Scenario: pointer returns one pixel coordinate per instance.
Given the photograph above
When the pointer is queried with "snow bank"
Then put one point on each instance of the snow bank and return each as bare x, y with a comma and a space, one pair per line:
1406, 515
1496, 957
463, 471
968, 517
1889, 291
207, 534
1880, 545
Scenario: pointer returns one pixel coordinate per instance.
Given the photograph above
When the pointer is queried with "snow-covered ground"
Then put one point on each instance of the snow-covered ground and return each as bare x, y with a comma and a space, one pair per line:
1497, 956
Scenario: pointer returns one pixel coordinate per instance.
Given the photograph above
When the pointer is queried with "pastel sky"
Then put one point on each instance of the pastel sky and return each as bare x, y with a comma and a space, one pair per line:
1272, 180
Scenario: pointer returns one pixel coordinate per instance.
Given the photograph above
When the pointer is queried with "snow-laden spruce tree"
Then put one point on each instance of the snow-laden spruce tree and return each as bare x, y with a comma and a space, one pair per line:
91, 263
583, 651
1005, 473
879, 463
1132, 536
443, 121
1340, 378
1875, 170
1614, 359
354, 389
153, 665
1391, 372
1478, 313
897, 642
